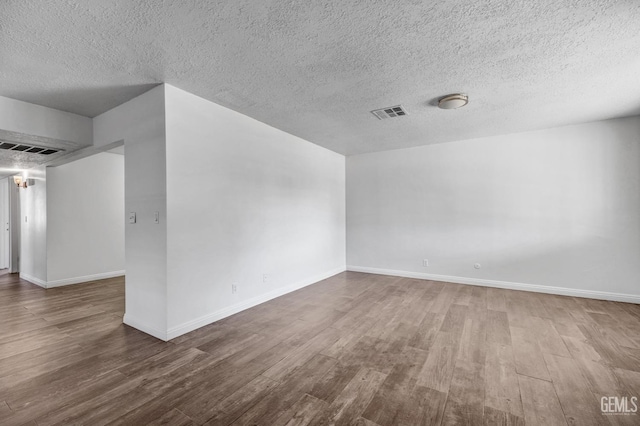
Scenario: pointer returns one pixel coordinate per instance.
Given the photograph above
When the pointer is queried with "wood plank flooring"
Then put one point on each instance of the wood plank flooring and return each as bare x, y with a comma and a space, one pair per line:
355, 349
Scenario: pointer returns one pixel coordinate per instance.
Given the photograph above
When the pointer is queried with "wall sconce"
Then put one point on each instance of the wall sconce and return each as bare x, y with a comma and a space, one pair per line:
23, 183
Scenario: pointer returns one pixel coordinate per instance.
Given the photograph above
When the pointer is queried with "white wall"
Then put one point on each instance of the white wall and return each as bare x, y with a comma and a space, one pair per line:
33, 230
27, 118
85, 220
24, 117
554, 208
14, 231
141, 124
244, 200
5, 242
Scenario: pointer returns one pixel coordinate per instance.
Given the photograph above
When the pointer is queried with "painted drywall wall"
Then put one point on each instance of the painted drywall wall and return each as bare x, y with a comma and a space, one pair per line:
24, 117
5, 211
14, 230
85, 220
556, 208
141, 124
244, 200
30, 119
33, 228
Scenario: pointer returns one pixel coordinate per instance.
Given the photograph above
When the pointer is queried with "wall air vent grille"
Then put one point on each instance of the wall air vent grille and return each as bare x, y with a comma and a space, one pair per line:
10, 146
389, 112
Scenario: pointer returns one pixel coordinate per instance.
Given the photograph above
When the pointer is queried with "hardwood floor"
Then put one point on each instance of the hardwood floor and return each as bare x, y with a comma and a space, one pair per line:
355, 349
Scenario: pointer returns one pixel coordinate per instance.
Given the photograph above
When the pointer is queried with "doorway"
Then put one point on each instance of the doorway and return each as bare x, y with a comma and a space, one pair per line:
5, 238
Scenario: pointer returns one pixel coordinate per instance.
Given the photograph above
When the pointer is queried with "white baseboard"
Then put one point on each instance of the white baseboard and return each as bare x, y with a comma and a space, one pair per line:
186, 327
69, 281
140, 325
84, 279
33, 280
563, 291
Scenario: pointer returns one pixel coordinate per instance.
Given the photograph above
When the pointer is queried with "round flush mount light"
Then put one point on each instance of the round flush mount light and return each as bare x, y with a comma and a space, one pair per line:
454, 101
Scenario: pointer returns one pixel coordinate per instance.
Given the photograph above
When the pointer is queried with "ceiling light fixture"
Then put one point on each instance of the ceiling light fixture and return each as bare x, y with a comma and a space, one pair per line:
23, 182
457, 100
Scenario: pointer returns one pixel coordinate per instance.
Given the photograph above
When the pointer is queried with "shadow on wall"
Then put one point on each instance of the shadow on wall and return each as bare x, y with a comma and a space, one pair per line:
623, 197
74, 99
603, 247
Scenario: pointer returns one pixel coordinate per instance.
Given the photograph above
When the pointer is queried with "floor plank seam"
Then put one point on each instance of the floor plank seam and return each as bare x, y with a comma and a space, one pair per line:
377, 325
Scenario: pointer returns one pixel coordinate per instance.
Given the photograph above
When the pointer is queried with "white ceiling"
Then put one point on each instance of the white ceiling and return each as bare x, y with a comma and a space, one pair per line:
316, 68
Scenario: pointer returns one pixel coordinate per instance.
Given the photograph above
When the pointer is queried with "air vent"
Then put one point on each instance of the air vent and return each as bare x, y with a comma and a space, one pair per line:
9, 146
389, 112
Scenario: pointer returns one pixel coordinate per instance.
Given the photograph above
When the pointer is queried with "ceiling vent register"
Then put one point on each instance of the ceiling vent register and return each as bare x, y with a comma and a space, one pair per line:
389, 112
10, 146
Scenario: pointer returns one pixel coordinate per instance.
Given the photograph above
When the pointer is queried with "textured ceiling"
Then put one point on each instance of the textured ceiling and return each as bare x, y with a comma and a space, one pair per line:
15, 162
316, 68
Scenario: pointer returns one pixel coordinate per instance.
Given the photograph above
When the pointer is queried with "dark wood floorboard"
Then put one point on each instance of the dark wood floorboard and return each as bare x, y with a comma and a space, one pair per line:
355, 349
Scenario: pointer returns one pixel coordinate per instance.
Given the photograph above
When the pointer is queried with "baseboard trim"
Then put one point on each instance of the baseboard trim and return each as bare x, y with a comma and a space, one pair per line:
33, 280
563, 291
186, 327
140, 325
84, 279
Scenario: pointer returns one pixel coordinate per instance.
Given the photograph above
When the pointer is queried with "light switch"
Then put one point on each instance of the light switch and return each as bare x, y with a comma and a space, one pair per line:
132, 217
156, 218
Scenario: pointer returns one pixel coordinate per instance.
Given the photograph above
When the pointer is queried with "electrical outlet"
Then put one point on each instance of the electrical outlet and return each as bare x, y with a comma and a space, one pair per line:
425, 262
234, 288
477, 266
265, 278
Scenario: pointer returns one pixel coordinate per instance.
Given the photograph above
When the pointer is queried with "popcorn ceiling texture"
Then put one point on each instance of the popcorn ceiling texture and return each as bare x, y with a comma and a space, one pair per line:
11, 160
316, 68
